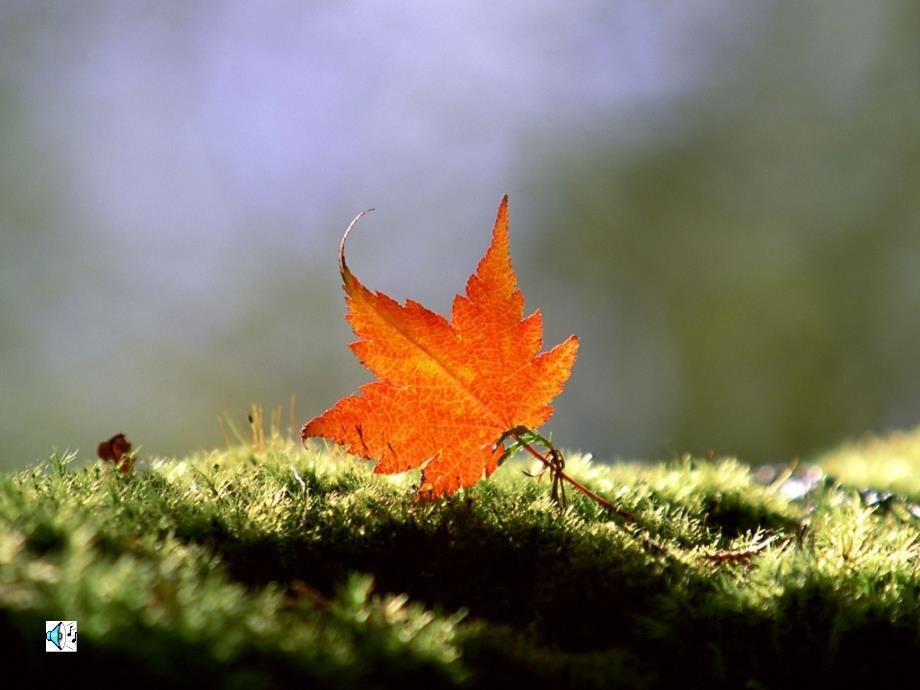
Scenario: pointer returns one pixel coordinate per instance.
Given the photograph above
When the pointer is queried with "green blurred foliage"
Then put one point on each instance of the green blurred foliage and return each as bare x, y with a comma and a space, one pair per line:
770, 236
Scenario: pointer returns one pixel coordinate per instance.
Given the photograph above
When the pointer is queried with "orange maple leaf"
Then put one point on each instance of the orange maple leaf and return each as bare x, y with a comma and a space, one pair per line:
447, 391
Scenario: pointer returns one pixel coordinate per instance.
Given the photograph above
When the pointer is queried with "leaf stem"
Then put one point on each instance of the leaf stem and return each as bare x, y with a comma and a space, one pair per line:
553, 461
552, 467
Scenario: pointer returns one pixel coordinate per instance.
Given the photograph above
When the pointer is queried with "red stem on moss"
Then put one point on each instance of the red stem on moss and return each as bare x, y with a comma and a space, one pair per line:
742, 556
625, 514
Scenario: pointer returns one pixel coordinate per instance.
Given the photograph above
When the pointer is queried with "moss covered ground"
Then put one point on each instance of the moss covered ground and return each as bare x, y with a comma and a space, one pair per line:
268, 564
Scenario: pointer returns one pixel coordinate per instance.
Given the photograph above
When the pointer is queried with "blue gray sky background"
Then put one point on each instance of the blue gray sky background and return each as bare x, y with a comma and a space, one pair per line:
175, 178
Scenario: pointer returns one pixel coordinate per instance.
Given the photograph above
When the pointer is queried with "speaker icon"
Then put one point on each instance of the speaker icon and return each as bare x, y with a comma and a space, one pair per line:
55, 636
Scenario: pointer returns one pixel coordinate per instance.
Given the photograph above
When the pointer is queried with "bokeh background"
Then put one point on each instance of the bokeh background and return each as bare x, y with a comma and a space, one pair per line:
722, 199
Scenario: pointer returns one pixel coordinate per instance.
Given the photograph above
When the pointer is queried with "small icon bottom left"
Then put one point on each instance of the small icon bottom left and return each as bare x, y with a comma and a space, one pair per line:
60, 636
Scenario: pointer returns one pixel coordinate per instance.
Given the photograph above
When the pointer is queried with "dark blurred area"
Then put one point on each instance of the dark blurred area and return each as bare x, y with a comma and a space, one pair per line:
721, 200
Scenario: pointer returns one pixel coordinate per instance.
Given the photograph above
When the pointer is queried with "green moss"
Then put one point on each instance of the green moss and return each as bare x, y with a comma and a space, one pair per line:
891, 462
268, 565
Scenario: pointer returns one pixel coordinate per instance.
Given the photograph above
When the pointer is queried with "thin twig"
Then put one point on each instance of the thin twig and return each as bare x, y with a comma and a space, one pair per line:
558, 471
554, 463
299, 590
303, 484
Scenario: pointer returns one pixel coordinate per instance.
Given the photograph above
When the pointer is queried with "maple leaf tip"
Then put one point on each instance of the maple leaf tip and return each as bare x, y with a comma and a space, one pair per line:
502, 209
343, 267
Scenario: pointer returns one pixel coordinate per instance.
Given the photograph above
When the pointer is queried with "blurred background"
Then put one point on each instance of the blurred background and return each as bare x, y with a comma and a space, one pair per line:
722, 199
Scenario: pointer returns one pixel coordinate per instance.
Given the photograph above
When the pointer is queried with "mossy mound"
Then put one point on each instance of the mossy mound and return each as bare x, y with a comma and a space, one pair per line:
270, 565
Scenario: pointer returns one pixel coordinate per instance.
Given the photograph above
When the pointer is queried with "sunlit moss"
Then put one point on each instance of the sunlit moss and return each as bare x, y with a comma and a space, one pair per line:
272, 563
888, 462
